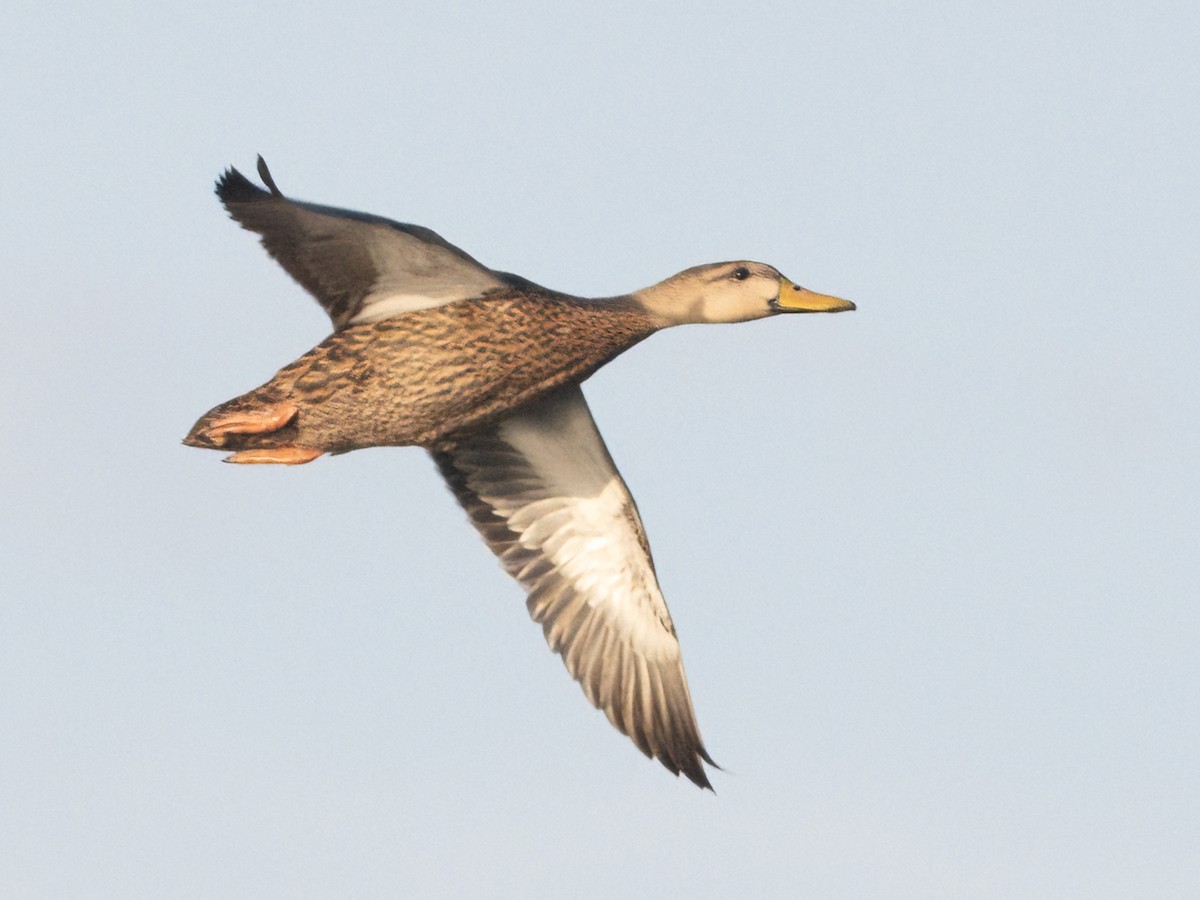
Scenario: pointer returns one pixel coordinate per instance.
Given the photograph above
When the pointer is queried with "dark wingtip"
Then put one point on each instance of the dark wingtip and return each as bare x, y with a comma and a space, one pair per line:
698, 777
234, 187
265, 174
690, 767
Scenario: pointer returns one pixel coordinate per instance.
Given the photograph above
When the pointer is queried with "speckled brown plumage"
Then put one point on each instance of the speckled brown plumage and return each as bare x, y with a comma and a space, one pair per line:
415, 379
430, 347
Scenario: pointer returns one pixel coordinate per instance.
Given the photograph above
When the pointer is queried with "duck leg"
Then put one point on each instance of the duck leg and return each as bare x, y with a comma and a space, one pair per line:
252, 421
285, 456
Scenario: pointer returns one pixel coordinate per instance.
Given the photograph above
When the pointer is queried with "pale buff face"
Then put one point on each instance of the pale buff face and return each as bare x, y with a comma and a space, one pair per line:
731, 292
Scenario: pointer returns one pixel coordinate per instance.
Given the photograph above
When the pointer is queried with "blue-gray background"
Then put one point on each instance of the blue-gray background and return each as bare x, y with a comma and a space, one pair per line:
934, 563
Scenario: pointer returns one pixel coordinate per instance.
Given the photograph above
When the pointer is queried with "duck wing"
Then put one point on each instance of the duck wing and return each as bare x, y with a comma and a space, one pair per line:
543, 491
360, 267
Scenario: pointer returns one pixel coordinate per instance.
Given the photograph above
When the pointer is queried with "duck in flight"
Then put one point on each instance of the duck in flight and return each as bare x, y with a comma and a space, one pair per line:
482, 368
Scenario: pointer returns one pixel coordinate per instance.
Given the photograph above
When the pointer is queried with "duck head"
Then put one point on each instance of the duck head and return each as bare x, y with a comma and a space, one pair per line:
731, 292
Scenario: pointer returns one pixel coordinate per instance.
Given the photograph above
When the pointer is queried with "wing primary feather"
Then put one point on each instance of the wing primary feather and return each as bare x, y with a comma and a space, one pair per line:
234, 187
636, 700
265, 174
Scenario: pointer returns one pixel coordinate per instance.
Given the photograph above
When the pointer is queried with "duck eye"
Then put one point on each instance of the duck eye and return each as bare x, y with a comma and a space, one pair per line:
741, 273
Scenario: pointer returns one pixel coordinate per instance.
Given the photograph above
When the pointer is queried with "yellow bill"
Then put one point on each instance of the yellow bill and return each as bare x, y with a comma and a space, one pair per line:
793, 298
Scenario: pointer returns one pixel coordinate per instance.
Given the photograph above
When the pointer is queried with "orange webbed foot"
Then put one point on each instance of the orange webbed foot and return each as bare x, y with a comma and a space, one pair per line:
282, 456
255, 421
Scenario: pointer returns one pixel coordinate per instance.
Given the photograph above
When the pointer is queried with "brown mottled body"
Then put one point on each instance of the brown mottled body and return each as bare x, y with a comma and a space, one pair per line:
432, 348
418, 378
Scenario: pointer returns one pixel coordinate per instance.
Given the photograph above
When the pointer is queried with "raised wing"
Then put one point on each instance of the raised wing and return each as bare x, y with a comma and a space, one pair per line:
542, 489
361, 268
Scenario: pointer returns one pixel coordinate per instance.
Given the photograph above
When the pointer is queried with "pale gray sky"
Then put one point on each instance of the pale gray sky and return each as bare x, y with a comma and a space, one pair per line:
934, 564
